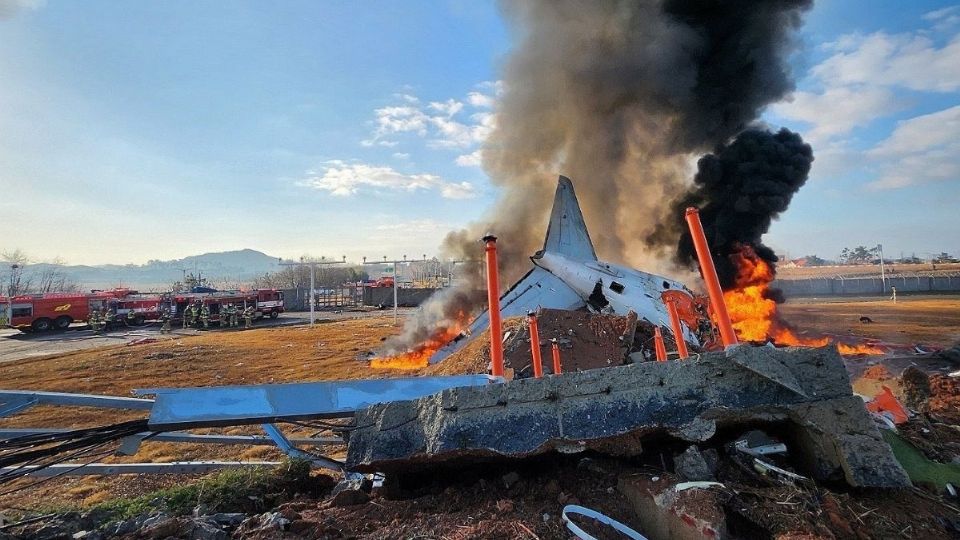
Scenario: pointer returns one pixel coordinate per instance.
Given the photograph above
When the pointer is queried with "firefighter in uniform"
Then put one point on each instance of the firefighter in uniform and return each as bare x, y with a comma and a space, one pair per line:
234, 316
224, 315
186, 316
165, 319
131, 317
248, 317
94, 321
109, 317
195, 314
205, 316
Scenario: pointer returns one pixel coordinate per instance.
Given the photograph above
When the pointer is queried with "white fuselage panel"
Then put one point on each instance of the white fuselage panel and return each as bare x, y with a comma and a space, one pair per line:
625, 289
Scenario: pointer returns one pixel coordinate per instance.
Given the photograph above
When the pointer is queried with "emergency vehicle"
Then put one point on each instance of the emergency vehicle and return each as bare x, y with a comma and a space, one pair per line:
266, 302
57, 311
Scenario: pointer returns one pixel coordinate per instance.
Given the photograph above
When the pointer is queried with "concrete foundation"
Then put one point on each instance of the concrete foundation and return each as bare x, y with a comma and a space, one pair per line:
614, 409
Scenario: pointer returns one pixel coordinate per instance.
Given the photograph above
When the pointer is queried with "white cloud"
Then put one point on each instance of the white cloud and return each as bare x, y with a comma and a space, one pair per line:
862, 80
9, 8
443, 124
344, 179
944, 19
477, 99
920, 150
473, 159
911, 61
498, 87
448, 108
401, 155
409, 98
837, 110
413, 226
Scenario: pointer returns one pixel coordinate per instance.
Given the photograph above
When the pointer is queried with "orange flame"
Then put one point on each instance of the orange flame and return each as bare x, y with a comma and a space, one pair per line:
754, 314
419, 356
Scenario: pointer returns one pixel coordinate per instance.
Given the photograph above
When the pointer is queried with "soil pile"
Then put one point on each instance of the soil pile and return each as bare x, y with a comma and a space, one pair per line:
586, 341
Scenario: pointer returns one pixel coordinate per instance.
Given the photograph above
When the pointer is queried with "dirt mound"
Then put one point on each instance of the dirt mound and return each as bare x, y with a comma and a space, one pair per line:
586, 340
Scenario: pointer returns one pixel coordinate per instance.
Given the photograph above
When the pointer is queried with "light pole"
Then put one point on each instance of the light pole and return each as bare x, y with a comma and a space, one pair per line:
883, 275
394, 262
313, 267
13, 270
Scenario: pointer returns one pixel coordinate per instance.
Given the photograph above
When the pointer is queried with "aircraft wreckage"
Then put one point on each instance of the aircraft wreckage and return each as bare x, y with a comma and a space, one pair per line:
405, 425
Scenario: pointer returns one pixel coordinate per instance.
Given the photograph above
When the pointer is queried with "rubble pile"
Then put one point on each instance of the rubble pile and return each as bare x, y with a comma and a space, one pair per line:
587, 341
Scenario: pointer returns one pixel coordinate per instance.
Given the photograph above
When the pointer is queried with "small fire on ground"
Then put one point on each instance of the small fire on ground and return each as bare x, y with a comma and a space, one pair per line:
754, 313
419, 356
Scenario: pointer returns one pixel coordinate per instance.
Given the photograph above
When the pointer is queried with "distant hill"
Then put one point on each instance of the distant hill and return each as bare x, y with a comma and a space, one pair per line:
231, 266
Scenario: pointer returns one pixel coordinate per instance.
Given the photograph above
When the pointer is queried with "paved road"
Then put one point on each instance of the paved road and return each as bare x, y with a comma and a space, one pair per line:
15, 345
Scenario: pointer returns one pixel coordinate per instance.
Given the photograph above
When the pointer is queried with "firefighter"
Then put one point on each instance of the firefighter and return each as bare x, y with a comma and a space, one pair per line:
205, 316
195, 315
165, 319
186, 316
109, 316
131, 317
248, 317
234, 316
94, 321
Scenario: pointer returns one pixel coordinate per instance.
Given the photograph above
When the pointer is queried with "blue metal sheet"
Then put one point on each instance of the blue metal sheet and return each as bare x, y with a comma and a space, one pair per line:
182, 408
13, 401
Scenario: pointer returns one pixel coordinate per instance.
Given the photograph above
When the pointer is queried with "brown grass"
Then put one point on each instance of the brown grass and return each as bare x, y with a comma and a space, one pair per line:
932, 322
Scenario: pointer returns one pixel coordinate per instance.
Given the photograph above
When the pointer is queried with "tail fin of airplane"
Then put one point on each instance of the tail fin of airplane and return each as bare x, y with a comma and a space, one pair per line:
567, 233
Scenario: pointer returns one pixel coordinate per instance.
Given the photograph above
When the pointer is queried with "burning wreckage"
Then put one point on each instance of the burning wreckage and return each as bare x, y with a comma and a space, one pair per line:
407, 426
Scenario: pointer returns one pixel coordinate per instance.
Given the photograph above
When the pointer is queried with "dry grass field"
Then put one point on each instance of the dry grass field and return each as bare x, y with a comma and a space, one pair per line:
928, 321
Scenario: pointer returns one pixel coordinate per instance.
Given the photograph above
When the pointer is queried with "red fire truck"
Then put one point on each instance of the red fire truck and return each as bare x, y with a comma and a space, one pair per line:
56, 311
266, 302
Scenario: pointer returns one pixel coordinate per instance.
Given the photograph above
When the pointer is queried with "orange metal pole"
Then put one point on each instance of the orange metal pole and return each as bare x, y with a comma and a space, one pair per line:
677, 328
493, 311
556, 357
535, 345
709, 271
658, 345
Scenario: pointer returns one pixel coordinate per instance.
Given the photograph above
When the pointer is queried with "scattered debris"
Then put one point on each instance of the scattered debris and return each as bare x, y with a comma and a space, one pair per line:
606, 520
782, 475
757, 443
886, 404
690, 464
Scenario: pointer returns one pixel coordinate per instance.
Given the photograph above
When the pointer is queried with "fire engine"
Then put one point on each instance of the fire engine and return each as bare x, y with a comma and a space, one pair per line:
267, 302
56, 311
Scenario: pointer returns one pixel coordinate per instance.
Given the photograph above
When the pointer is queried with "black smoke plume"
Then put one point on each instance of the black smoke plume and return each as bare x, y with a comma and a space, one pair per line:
740, 189
619, 95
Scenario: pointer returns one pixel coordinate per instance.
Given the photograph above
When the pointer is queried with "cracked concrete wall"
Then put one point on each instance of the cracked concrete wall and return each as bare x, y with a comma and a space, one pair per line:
613, 409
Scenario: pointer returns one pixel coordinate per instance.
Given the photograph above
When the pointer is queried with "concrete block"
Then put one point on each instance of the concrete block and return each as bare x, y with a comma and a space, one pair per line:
613, 409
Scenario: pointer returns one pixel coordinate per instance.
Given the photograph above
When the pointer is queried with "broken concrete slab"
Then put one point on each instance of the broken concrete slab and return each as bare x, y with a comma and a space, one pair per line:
613, 409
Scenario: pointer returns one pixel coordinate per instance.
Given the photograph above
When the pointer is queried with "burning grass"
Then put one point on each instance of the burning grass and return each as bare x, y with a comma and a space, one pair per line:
418, 357
754, 310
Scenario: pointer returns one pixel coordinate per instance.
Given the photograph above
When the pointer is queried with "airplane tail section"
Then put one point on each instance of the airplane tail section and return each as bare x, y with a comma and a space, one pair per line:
567, 233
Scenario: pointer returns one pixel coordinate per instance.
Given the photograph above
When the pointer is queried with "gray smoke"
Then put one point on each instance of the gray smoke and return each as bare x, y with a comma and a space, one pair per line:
620, 96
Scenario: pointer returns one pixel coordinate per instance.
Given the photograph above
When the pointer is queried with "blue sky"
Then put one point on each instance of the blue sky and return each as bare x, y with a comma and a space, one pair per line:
153, 130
